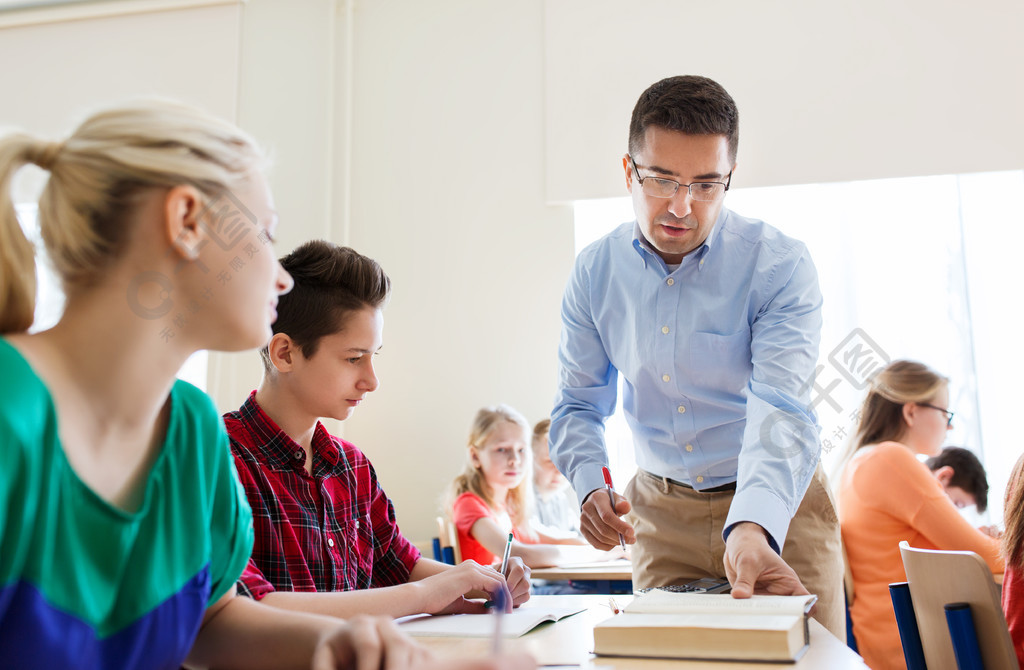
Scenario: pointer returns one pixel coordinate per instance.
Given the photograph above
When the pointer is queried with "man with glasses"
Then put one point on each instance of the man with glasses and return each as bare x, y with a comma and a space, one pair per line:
713, 322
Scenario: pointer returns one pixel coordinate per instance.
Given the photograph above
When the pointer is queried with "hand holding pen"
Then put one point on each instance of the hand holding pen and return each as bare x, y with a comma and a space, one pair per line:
611, 499
600, 520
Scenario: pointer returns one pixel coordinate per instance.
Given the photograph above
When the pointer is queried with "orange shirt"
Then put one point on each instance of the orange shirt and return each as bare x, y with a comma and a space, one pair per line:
887, 495
467, 510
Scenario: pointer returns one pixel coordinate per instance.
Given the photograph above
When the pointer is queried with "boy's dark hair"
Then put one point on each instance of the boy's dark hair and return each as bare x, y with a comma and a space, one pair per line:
968, 472
689, 104
330, 282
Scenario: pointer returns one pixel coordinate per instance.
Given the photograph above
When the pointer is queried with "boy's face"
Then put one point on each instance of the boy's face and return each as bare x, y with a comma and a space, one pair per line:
546, 476
961, 498
338, 376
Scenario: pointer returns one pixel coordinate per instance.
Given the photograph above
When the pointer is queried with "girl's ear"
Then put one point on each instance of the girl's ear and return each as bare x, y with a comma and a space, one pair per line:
909, 411
473, 458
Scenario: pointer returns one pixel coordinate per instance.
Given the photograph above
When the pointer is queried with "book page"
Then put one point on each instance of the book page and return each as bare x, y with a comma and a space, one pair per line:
722, 621
513, 624
666, 602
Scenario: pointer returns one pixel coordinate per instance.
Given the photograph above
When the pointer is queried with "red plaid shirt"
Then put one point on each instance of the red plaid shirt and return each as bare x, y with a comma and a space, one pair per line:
334, 531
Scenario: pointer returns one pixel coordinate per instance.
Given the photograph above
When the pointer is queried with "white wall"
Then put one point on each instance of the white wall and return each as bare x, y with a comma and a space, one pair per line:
827, 91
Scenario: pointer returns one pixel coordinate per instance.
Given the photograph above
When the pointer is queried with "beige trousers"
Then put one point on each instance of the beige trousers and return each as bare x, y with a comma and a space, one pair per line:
679, 539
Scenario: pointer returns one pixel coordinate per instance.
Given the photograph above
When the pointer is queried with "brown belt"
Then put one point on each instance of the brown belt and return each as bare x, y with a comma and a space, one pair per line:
731, 486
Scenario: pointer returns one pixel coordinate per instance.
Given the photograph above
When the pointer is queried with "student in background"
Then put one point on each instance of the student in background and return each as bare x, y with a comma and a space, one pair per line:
963, 478
492, 495
1013, 551
122, 525
554, 513
327, 540
887, 495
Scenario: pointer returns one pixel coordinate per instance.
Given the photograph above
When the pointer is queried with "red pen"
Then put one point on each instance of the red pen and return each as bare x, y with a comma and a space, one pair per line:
611, 499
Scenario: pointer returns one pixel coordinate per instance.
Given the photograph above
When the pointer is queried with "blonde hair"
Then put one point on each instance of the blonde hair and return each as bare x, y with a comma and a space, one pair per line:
471, 480
881, 414
1013, 517
97, 176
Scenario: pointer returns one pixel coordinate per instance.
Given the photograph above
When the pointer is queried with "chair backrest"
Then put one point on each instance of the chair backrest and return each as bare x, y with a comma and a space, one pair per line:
940, 577
449, 537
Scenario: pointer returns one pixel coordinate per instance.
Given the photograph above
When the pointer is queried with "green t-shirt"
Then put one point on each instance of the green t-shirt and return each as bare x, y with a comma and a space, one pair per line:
84, 584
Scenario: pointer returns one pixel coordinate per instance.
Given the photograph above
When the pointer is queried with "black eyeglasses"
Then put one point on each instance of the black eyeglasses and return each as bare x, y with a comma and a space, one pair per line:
949, 415
703, 191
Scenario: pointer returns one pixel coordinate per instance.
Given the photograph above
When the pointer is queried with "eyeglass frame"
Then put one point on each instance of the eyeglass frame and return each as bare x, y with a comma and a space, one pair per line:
636, 173
949, 415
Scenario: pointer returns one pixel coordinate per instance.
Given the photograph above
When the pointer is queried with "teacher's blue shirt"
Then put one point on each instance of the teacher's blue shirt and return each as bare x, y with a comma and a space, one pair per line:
717, 358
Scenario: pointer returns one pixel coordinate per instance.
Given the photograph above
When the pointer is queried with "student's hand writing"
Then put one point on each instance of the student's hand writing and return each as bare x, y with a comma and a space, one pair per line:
991, 531
518, 580
601, 525
753, 567
445, 593
370, 643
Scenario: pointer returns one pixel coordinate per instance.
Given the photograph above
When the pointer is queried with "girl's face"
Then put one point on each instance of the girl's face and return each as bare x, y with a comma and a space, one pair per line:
243, 278
927, 426
504, 456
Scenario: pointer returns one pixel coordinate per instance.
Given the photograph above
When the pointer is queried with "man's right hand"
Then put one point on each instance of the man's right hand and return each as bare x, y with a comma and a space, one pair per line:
601, 525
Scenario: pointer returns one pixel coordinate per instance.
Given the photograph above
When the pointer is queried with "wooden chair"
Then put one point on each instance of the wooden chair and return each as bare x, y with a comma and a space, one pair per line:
938, 578
449, 538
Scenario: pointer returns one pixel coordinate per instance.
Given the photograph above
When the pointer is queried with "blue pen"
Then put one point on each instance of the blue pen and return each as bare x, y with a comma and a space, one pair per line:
500, 601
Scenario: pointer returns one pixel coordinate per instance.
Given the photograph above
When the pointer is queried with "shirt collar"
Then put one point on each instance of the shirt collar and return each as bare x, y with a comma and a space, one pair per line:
646, 251
279, 448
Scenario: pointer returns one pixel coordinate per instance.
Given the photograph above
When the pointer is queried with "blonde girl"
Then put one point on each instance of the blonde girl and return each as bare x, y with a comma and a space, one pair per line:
886, 495
492, 496
122, 525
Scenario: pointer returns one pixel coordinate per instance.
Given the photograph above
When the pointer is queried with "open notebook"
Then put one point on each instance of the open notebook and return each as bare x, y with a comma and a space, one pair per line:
513, 624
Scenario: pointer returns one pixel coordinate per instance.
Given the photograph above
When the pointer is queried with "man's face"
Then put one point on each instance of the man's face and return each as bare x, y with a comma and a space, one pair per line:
677, 225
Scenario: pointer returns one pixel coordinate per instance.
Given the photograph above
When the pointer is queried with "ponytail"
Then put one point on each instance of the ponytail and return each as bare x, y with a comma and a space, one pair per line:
17, 254
96, 178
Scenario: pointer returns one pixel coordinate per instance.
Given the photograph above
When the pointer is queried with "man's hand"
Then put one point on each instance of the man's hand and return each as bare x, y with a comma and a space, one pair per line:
601, 525
753, 567
444, 593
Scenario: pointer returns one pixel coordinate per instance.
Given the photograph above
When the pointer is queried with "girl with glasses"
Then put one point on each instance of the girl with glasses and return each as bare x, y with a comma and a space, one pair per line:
886, 495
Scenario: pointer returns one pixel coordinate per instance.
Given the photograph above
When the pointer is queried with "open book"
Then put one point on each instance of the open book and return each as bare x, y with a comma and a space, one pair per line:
661, 624
514, 624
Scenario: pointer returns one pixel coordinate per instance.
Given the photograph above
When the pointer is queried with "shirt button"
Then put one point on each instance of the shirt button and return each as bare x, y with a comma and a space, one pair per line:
665, 378
299, 455
689, 447
330, 542
664, 329
670, 281
700, 480
682, 410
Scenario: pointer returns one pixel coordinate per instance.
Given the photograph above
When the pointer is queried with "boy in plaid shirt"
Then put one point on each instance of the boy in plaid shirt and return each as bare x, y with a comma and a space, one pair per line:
326, 537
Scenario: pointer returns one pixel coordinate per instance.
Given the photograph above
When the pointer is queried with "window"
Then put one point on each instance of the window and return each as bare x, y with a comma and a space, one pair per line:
50, 296
909, 268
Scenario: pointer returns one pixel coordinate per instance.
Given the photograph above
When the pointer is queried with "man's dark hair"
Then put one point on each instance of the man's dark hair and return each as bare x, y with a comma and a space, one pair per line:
688, 104
330, 283
968, 472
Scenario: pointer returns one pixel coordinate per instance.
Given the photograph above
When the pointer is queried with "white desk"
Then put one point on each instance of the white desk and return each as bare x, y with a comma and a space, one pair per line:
611, 571
569, 642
